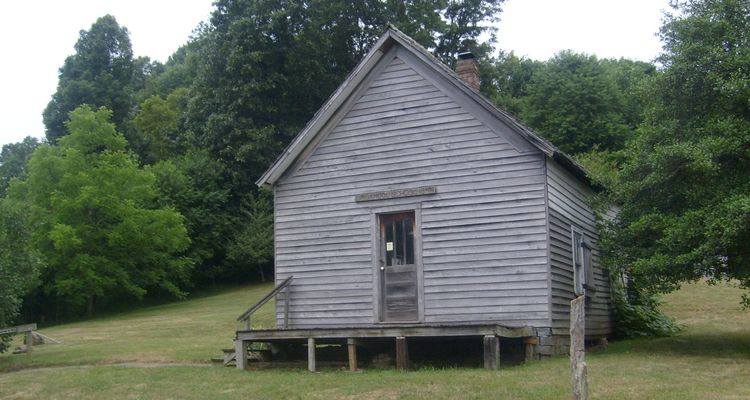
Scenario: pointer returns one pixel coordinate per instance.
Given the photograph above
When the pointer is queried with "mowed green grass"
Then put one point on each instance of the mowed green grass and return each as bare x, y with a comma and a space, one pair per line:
190, 331
162, 352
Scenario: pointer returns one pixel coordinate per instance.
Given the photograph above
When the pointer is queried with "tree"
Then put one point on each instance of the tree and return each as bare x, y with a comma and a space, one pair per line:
95, 221
577, 101
446, 27
505, 80
179, 71
252, 246
193, 184
467, 20
13, 160
102, 73
632, 79
157, 124
20, 263
684, 190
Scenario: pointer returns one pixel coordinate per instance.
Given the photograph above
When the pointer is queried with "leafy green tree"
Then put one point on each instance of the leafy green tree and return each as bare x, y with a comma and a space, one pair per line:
179, 71
632, 79
576, 102
95, 221
684, 189
102, 73
13, 160
602, 166
193, 185
158, 125
20, 263
505, 80
467, 20
446, 27
252, 246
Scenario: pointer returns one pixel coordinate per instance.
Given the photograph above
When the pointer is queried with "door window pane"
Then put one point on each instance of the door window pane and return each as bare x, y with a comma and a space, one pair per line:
398, 256
398, 238
389, 242
409, 240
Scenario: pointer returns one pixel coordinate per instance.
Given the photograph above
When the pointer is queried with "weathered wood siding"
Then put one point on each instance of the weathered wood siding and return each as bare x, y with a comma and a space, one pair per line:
568, 206
483, 232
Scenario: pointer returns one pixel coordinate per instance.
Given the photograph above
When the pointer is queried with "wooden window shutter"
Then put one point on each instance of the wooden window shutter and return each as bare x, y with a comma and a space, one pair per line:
579, 274
588, 267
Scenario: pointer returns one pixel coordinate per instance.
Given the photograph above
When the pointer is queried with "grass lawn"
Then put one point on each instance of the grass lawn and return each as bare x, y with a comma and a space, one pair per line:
162, 352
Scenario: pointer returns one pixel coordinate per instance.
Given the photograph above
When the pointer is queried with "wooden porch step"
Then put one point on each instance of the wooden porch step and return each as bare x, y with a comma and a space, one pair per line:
230, 357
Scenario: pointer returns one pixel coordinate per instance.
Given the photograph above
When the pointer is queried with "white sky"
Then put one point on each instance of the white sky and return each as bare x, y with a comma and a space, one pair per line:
37, 35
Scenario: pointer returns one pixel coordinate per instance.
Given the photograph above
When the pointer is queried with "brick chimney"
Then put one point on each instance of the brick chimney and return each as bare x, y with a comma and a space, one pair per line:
467, 70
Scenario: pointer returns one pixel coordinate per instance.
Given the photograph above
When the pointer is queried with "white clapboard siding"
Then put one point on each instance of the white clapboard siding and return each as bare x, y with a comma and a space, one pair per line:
568, 205
484, 237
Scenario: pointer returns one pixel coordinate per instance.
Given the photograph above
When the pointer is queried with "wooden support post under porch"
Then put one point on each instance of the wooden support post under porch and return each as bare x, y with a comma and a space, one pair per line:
240, 353
351, 345
490, 333
491, 352
311, 354
402, 354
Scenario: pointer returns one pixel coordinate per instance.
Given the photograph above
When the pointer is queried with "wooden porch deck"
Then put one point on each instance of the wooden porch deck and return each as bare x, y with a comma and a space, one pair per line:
490, 333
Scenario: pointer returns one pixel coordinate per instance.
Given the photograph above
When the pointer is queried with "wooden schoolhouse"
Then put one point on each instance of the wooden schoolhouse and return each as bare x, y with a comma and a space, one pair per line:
410, 206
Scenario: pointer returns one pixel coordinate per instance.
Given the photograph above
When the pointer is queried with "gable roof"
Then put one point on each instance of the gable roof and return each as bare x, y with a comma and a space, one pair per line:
391, 37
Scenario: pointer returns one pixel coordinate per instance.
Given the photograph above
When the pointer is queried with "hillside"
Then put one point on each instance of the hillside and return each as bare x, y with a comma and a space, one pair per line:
163, 351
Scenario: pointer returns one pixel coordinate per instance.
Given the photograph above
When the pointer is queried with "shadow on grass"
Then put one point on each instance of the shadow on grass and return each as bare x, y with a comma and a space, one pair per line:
733, 345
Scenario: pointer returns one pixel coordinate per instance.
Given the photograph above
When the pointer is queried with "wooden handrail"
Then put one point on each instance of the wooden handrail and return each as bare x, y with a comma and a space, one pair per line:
281, 286
18, 329
28, 328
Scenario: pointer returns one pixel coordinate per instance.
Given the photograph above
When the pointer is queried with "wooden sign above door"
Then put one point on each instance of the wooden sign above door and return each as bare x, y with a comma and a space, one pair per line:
396, 193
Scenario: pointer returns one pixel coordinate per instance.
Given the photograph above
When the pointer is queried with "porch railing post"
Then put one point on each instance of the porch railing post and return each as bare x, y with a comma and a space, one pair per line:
286, 308
283, 286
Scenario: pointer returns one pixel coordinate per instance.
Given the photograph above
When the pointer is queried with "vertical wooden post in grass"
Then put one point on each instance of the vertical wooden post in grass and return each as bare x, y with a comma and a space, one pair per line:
351, 345
29, 341
311, 354
577, 348
402, 354
491, 352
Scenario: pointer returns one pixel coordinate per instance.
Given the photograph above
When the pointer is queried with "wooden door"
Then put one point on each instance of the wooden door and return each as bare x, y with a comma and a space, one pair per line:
398, 268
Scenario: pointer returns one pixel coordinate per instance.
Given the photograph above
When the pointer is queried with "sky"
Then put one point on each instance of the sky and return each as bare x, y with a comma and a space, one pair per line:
37, 35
